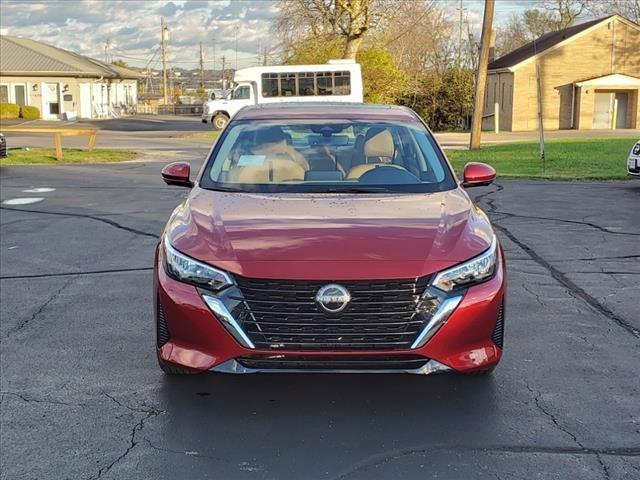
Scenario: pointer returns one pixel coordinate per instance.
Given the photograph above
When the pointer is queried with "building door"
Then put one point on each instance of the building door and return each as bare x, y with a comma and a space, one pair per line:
85, 100
603, 110
622, 99
51, 100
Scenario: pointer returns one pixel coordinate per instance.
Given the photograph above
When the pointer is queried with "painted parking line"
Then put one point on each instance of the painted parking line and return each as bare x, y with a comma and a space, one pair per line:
39, 190
22, 201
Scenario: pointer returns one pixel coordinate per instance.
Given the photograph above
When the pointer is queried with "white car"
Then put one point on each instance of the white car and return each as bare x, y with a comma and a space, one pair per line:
335, 81
633, 162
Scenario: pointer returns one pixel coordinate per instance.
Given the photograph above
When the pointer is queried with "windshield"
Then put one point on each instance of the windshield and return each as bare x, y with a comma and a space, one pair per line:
327, 156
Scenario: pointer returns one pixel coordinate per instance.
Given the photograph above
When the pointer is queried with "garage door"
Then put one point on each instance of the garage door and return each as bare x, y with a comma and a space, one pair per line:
603, 110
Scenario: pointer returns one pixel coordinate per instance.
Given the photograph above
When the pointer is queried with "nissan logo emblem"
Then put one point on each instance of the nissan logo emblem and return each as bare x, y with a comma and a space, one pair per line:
333, 298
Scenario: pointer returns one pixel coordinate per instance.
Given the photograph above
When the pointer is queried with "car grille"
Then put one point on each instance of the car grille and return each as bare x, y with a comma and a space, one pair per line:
334, 362
498, 331
283, 315
162, 332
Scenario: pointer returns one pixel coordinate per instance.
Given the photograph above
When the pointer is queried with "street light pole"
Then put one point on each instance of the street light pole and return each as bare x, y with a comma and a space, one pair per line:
163, 47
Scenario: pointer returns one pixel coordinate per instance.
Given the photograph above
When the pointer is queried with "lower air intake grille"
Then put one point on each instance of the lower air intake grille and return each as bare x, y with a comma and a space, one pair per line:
498, 331
162, 332
283, 315
344, 362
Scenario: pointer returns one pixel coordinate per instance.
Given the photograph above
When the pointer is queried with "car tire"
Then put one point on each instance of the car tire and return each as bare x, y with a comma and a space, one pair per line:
220, 121
173, 369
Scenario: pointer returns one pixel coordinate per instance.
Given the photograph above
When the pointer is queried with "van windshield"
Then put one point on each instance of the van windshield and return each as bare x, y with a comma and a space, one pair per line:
327, 156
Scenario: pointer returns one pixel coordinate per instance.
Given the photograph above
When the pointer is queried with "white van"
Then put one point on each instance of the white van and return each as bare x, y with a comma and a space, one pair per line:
337, 81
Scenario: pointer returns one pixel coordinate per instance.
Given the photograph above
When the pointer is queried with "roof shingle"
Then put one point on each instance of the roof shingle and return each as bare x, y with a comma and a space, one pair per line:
29, 57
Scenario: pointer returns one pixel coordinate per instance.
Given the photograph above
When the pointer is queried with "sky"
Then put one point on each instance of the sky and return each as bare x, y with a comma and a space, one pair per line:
132, 27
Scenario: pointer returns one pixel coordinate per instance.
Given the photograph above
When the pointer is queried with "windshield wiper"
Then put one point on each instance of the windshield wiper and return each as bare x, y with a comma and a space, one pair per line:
356, 190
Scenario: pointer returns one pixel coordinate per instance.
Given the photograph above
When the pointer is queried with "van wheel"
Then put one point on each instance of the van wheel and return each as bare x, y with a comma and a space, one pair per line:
220, 121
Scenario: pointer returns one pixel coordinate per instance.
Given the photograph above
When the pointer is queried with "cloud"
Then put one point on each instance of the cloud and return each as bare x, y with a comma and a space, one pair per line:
133, 28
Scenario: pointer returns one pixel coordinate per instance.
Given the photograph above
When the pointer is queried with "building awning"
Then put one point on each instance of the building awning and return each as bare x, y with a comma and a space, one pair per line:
615, 81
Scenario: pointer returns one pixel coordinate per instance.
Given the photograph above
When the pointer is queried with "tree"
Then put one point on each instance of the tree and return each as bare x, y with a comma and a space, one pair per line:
629, 9
349, 20
120, 63
533, 23
383, 81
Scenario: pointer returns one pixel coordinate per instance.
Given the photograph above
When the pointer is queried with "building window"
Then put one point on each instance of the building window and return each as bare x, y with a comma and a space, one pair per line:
4, 93
20, 95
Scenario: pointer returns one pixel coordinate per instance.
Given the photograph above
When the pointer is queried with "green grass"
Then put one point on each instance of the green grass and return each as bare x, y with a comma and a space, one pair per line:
580, 159
69, 155
211, 135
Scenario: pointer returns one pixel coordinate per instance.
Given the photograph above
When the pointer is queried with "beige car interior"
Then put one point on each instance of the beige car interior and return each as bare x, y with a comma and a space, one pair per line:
283, 163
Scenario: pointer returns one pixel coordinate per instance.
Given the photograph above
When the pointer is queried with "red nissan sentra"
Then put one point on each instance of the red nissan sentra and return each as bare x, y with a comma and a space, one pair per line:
332, 238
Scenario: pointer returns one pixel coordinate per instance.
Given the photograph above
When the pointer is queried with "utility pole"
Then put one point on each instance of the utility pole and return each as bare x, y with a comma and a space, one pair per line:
163, 38
213, 42
460, 35
107, 47
540, 119
481, 76
224, 80
201, 69
237, 27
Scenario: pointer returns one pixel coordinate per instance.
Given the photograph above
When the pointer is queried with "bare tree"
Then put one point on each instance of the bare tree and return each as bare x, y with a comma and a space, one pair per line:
347, 19
629, 9
535, 22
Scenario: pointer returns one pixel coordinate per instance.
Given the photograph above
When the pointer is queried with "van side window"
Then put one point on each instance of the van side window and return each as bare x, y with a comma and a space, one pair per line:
288, 85
269, 84
342, 83
325, 83
305, 84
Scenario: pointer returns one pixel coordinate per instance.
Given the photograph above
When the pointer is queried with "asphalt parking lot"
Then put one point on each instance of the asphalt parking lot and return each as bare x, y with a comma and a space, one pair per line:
83, 398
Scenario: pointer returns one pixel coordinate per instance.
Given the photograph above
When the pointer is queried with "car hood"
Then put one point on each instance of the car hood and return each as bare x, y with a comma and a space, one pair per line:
329, 236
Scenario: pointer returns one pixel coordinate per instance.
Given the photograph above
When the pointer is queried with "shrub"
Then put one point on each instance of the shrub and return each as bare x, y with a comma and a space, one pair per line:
29, 113
9, 110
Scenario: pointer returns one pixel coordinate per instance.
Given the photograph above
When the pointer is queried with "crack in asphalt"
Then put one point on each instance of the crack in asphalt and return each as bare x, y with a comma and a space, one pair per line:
39, 400
35, 315
91, 217
75, 274
149, 413
388, 457
538, 299
536, 399
561, 220
589, 259
572, 288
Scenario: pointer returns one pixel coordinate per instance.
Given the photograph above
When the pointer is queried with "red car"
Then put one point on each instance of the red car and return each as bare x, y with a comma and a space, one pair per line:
333, 238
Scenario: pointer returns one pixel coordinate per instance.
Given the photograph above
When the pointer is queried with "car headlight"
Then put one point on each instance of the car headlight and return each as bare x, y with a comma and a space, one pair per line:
476, 270
186, 269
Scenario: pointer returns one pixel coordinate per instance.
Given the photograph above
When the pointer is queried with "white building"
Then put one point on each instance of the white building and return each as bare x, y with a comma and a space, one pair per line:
63, 84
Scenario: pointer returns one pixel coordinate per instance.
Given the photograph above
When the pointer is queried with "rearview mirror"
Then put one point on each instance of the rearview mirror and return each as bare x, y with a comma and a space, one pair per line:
177, 173
478, 174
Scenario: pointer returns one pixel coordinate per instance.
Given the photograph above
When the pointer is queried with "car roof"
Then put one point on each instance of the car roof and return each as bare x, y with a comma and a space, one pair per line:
326, 110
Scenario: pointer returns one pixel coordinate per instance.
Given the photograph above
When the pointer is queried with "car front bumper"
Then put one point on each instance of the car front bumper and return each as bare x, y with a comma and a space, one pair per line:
196, 339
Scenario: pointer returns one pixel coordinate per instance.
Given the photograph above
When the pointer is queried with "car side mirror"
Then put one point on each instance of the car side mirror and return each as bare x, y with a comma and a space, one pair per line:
178, 174
478, 174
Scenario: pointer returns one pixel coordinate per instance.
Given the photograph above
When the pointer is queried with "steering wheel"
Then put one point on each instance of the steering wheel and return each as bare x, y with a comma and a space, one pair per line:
388, 174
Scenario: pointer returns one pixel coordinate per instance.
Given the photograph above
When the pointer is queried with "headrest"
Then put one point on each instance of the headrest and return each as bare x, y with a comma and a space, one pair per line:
268, 135
379, 145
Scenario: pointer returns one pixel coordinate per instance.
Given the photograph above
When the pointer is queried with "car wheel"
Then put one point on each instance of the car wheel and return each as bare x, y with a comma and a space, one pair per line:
220, 121
173, 369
